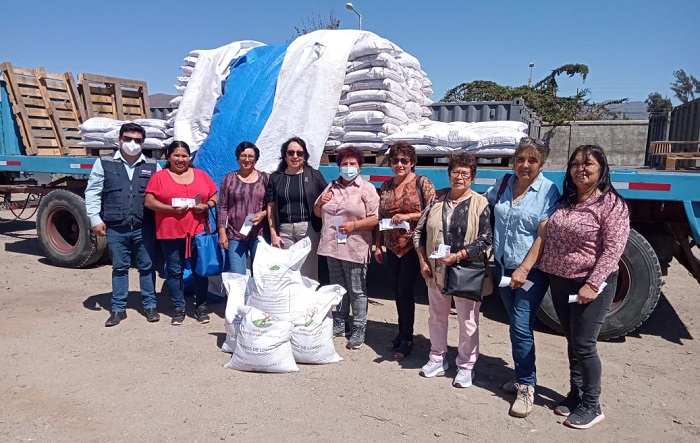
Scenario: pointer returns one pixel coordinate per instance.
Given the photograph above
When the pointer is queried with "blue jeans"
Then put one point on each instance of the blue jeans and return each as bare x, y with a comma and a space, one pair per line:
522, 307
238, 252
124, 244
174, 256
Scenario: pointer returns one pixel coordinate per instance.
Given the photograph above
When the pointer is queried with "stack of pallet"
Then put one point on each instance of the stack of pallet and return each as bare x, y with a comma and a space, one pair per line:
48, 107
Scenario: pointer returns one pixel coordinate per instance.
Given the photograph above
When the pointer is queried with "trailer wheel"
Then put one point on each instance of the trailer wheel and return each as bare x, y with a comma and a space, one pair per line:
638, 291
64, 231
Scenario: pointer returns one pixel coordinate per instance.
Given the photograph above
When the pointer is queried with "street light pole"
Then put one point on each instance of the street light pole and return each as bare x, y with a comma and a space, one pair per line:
350, 7
529, 79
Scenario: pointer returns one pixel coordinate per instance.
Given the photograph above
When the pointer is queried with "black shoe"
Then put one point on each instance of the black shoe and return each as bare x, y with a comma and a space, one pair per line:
357, 338
178, 317
585, 417
152, 315
340, 329
115, 318
202, 314
568, 405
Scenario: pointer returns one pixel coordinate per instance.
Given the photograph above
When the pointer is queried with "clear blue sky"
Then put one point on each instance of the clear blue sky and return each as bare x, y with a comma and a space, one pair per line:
631, 47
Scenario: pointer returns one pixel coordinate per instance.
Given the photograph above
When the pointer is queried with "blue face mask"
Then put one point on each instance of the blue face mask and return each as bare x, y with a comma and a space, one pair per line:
348, 172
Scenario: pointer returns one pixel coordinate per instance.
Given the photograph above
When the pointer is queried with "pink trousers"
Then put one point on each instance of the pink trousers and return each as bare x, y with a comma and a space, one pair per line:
468, 318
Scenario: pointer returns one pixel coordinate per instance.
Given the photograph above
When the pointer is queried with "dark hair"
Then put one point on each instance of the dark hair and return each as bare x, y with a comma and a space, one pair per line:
463, 160
132, 127
283, 162
532, 144
406, 149
242, 146
172, 147
569, 194
349, 152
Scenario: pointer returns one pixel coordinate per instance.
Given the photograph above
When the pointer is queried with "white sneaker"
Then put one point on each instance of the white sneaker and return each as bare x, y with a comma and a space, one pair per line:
463, 379
433, 368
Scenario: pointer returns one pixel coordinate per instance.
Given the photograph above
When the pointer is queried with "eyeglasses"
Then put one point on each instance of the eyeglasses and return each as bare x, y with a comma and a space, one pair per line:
295, 153
246, 157
127, 139
463, 174
396, 160
534, 141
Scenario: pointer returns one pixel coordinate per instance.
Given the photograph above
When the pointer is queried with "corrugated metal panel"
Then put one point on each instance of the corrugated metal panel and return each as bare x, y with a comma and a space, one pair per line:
487, 111
685, 122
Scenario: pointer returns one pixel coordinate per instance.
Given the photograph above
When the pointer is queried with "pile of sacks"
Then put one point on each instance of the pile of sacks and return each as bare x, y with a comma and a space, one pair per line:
103, 132
384, 90
187, 68
279, 318
493, 137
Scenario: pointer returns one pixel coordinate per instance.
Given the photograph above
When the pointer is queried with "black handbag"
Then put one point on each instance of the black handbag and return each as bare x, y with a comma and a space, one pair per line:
464, 279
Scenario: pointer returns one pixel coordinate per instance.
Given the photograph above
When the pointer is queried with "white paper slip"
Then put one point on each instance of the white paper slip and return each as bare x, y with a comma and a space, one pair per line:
505, 281
385, 224
440, 252
183, 203
573, 298
337, 221
247, 225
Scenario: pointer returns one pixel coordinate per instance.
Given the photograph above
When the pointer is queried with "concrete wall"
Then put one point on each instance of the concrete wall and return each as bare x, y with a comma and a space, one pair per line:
624, 141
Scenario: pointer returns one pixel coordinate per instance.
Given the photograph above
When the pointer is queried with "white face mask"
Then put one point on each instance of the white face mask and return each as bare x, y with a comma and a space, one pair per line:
348, 172
131, 148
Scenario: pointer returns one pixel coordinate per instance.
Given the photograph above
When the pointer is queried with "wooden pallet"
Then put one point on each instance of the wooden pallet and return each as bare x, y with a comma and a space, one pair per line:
47, 109
112, 97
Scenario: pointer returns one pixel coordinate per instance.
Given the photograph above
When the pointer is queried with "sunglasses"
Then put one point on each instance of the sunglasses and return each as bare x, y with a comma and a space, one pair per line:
396, 160
127, 139
295, 153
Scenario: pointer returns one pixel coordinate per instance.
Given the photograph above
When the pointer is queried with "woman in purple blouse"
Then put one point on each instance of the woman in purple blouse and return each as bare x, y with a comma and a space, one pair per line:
241, 208
584, 240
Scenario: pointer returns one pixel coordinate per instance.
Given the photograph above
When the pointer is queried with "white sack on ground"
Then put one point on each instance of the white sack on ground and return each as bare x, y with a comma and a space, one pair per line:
262, 344
203, 89
312, 342
235, 286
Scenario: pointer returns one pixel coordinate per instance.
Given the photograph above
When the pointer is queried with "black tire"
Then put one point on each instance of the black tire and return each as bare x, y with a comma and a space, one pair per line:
64, 231
638, 291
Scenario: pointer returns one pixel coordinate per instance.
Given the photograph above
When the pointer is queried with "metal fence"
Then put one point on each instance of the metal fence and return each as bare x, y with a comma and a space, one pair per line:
681, 124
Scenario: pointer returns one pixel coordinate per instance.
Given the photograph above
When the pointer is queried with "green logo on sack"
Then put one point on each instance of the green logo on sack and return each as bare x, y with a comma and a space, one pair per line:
264, 322
310, 314
274, 268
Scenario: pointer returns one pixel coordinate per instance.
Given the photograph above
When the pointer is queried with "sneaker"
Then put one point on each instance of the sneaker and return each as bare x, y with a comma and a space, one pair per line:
115, 318
202, 314
584, 417
510, 387
570, 403
152, 315
522, 406
433, 368
339, 329
463, 379
178, 317
357, 338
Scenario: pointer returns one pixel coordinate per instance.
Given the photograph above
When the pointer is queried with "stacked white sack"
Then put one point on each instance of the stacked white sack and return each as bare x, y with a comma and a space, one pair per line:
102, 132
187, 68
384, 90
431, 137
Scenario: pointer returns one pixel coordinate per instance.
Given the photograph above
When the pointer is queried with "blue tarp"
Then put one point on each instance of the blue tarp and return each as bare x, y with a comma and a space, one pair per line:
242, 111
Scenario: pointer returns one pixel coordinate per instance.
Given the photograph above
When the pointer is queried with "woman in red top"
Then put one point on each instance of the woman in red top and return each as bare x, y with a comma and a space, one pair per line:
402, 198
181, 197
584, 240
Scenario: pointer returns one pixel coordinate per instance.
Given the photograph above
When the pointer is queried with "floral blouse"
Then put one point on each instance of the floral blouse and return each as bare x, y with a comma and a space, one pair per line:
400, 241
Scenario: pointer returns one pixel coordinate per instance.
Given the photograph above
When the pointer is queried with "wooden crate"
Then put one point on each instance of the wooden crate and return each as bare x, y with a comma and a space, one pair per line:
47, 109
370, 158
112, 97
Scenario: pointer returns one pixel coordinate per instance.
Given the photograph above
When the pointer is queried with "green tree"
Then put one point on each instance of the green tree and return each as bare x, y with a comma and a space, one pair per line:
541, 97
658, 103
315, 23
685, 86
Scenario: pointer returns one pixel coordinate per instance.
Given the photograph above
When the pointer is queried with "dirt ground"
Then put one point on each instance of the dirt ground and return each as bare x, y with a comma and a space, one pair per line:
65, 377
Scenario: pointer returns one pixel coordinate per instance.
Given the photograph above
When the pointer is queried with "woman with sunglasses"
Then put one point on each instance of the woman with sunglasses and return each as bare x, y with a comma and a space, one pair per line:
460, 220
242, 195
402, 198
583, 243
290, 197
522, 203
